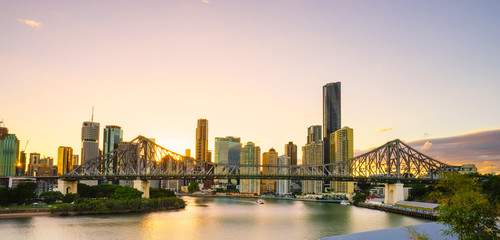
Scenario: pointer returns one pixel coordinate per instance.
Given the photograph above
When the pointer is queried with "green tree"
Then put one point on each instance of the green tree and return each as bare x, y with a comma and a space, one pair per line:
126, 193
193, 187
105, 190
50, 197
5, 196
24, 193
85, 191
464, 208
160, 193
70, 197
415, 234
359, 198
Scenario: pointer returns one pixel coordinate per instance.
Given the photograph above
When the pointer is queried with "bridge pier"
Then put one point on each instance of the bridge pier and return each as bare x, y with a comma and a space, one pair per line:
393, 193
143, 186
66, 187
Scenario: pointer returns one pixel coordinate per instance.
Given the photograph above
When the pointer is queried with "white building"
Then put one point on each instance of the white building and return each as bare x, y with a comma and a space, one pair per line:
282, 185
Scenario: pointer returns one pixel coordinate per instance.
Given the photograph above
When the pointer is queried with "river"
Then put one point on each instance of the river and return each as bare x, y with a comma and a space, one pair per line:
212, 218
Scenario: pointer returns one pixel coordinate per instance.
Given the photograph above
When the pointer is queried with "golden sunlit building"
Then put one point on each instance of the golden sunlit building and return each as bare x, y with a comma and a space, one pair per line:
269, 158
291, 151
64, 160
250, 155
342, 148
202, 140
312, 154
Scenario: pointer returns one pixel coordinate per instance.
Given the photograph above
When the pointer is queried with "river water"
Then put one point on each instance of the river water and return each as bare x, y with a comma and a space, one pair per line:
212, 218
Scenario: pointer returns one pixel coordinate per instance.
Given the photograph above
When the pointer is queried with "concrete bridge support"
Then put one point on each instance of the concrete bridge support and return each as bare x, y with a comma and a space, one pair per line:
143, 186
67, 186
393, 193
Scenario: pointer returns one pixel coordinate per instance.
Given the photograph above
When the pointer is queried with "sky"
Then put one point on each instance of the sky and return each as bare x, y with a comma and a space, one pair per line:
420, 71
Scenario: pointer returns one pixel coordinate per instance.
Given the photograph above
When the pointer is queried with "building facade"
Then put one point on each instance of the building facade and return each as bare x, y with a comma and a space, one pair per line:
312, 154
113, 136
269, 158
250, 155
291, 151
331, 115
283, 185
227, 151
202, 140
64, 160
342, 148
9, 153
90, 141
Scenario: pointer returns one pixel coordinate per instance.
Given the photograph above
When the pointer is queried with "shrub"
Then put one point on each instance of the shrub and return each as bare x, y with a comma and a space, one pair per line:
126, 193
50, 197
70, 197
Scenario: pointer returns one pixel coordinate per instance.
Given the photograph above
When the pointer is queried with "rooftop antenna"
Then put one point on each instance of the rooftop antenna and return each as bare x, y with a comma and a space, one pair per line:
92, 120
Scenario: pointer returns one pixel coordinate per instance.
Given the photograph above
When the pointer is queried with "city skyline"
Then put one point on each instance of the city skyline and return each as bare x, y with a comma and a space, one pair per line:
415, 71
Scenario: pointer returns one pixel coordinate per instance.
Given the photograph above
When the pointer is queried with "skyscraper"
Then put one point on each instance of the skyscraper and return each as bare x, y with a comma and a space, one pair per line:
90, 141
227, 151
113, 136
291, 151
64, 160
250, 155
269, 158
202, 140
283, 185
331, 116
342, 148
9, 153
311, 156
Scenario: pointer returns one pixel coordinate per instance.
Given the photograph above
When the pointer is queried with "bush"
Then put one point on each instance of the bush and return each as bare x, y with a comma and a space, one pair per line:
50, 197
160, 193
24, 193
359, 198
126, 193
193, 187
70, 197
112, 205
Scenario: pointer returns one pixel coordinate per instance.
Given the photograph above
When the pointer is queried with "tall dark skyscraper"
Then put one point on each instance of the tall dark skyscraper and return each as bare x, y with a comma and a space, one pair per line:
331, 115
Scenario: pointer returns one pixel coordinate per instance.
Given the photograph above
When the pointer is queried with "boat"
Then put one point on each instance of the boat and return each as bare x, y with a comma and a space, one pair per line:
345, 202
259, 201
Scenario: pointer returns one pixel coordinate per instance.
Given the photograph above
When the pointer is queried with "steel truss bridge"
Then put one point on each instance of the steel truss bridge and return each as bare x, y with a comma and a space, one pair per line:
143, 159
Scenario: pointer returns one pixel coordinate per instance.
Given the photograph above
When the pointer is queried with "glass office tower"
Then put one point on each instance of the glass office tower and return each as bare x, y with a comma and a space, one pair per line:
331, 116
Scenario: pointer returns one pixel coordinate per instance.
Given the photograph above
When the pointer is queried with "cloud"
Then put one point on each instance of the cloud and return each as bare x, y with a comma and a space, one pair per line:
206, 1
384, 130
426, 146
481, 148
34, 24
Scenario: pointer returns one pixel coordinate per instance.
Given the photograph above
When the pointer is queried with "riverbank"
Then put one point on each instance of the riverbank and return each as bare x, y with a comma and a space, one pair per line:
24, 213
363, 205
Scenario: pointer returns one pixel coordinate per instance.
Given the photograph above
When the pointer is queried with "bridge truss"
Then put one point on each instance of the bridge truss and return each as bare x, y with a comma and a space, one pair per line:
142, 158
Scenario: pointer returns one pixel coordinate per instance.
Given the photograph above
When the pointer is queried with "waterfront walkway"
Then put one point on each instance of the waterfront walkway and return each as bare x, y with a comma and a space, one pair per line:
435, 231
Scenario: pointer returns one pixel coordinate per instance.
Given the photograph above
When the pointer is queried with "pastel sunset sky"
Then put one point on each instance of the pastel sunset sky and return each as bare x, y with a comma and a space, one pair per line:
426, 72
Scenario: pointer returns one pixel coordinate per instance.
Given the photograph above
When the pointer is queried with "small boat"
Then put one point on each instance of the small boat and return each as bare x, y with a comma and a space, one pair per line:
345, 202
259, 201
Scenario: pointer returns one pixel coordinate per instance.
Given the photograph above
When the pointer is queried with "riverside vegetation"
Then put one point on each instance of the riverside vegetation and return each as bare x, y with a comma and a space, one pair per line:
109, 198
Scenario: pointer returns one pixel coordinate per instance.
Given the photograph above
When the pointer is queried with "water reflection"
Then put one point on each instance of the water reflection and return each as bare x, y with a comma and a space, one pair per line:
213, 218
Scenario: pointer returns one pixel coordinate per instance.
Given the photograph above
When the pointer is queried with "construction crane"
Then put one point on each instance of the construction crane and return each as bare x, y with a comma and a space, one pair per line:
26, 146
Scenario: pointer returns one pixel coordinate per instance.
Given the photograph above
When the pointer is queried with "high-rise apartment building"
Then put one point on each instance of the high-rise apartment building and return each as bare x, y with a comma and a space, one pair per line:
250, 155
227, 151
312, 154
76, 160
342, 148
291, 151
283, 185
41, 166
90, 141
9, 153
269, 158
202, 140
331, 115
314, 134
64, 160
113, 136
